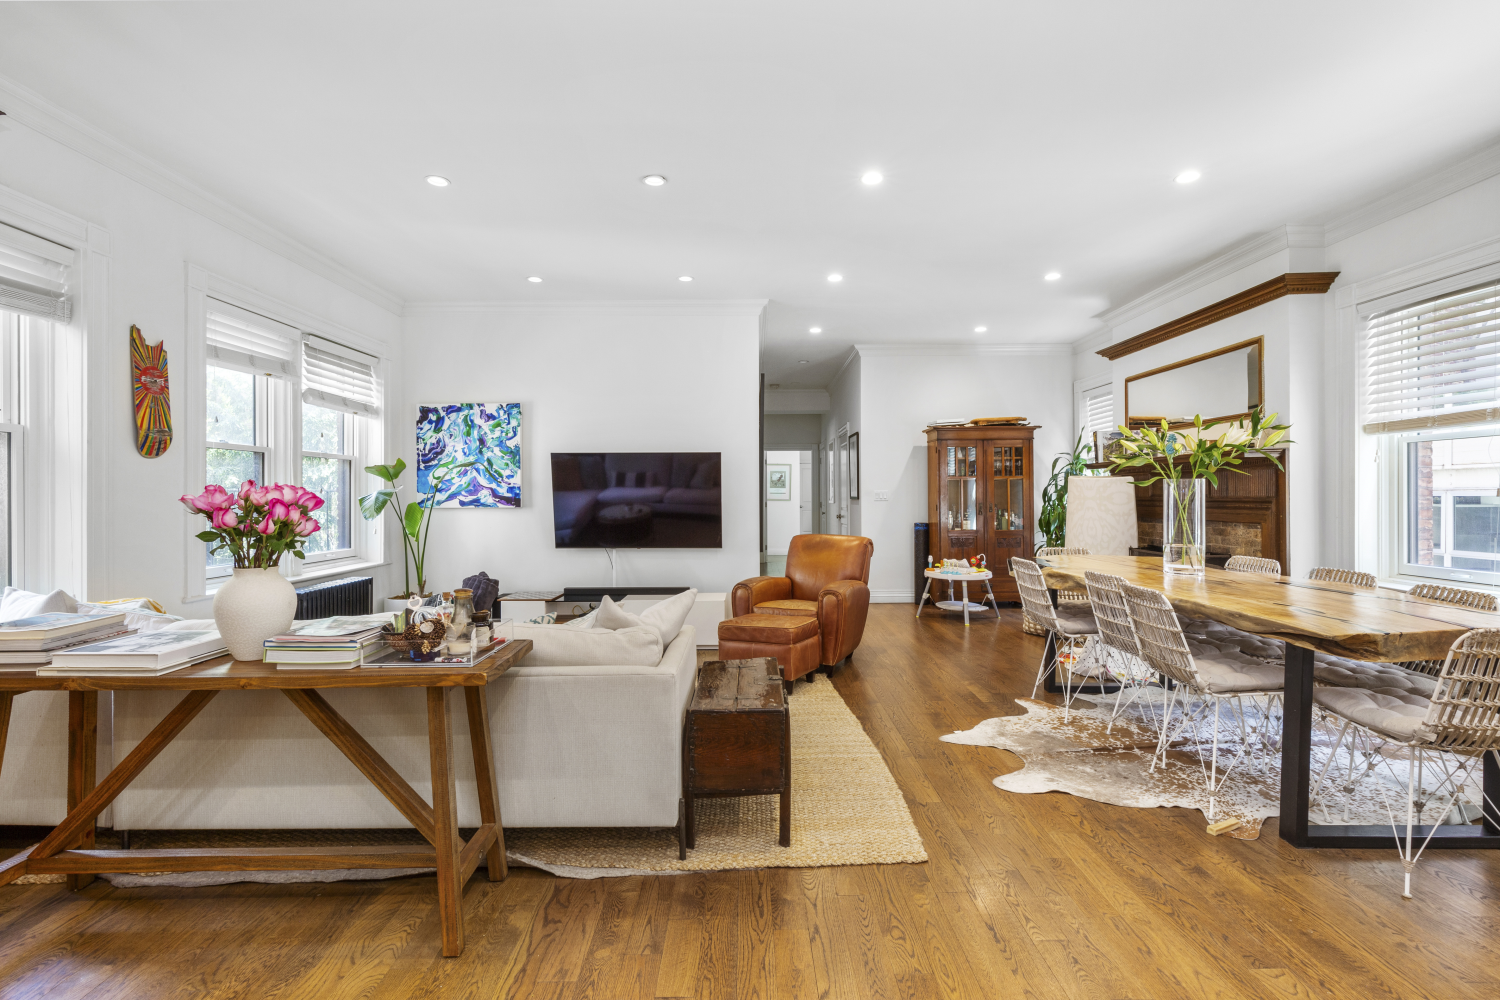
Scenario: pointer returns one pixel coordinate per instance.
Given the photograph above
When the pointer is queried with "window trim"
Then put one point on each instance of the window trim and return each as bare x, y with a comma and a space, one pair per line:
351, 440
368, 551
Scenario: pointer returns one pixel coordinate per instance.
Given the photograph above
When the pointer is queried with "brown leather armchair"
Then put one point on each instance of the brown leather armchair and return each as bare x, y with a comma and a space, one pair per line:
827, 578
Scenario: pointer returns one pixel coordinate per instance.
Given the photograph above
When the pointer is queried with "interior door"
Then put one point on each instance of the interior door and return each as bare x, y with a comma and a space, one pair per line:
842, 496
805, 493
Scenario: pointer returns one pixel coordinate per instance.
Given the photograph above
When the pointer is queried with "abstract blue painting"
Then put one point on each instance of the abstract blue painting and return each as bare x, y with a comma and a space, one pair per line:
476, 447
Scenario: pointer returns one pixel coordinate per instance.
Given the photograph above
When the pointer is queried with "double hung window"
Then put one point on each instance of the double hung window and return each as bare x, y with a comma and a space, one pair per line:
285, 406
1432, 390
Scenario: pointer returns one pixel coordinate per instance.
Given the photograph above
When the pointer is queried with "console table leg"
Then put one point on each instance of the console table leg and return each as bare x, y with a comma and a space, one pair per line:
83, 741
445, 821
477, 704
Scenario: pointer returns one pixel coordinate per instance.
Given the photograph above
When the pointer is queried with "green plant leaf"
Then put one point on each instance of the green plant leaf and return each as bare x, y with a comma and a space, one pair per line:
207, 536
390, 473
412, 521
371, 505
298, 553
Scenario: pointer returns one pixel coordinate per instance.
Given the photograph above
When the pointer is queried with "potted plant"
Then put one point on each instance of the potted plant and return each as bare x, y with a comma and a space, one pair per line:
256, 526
1052, 521
1170, 453
415, 521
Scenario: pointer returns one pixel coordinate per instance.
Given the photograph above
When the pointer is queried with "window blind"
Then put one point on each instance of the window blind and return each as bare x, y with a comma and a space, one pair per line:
248, 342
1098, 411
339, 377
35, 275
1434, 364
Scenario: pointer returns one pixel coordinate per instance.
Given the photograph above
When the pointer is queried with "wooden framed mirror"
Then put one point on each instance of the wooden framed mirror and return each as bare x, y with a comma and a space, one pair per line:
1225, 384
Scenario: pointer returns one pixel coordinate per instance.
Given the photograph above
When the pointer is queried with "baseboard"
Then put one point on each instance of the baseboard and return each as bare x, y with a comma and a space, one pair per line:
892, 597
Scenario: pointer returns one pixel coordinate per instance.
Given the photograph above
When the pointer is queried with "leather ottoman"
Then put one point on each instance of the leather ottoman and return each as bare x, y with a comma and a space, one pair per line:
792, 640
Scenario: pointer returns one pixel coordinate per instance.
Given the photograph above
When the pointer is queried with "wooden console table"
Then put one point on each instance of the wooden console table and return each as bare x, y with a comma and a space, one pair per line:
69, 848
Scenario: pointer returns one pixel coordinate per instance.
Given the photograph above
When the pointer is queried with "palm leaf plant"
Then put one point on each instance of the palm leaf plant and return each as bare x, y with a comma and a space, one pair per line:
414, 520
1052, 520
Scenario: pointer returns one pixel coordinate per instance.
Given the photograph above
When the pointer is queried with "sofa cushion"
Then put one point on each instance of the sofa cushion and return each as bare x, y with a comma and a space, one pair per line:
16, 603
668, 616
799, 609
782, 630
565, 646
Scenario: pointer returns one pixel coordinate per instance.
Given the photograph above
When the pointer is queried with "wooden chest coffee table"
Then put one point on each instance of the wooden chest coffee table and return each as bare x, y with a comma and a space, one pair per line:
737, 739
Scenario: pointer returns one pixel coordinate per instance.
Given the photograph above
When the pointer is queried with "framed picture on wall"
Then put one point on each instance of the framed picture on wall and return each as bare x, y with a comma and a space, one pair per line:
854, 466
778, 482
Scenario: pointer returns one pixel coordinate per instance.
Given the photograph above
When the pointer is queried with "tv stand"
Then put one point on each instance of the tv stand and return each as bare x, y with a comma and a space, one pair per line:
593, 595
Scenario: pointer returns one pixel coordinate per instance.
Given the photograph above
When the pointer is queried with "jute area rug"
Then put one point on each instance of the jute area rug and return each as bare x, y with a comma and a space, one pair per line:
846, 810
1078, 757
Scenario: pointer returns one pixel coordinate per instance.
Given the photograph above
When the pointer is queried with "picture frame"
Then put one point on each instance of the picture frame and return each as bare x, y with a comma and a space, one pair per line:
1106, 446
854, 466
778, 481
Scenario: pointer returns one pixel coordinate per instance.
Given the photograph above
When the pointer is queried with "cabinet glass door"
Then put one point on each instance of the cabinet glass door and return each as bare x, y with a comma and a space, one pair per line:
1008, 488
961, 472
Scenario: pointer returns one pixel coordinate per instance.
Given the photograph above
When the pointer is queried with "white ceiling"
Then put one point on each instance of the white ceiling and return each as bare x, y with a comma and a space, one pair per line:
1016, 138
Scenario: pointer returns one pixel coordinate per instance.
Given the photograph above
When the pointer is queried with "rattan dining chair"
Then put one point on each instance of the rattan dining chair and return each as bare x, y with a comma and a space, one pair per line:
1117, 642
1447, 734
1074, 628
1207, 678
1253, 564
1350, 576
1032, 627
1456, 595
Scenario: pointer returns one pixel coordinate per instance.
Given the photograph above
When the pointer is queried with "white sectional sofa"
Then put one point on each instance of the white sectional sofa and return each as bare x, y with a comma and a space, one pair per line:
576, 744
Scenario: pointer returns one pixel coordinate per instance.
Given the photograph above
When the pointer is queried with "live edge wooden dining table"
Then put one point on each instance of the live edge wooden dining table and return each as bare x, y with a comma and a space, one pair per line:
69, 848
1308, 615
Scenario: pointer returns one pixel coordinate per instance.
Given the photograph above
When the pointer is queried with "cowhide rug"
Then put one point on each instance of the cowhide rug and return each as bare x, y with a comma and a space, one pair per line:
1080, 758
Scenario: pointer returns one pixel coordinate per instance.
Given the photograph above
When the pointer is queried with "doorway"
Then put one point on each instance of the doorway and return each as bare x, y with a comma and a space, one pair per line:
791, 506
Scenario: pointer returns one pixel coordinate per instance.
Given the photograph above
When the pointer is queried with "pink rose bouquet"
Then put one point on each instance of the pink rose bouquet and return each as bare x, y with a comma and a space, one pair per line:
256, 524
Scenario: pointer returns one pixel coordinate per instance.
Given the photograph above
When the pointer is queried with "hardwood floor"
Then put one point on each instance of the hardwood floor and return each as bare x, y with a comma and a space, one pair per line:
1043, 896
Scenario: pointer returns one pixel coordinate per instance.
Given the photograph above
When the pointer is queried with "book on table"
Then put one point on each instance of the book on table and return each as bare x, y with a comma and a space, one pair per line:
340, 643
51, 631
15, 661
147, 654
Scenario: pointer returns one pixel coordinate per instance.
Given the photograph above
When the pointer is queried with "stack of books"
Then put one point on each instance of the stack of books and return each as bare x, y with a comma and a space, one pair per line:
29, 643
146, 654
327, 643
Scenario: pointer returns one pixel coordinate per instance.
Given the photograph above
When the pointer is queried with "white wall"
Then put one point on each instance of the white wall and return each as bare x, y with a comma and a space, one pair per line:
783, 516
903, 389
593, 378
140, 244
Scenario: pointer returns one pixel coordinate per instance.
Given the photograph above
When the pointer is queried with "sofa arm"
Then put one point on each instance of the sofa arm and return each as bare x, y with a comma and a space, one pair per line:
759, 590
842, 608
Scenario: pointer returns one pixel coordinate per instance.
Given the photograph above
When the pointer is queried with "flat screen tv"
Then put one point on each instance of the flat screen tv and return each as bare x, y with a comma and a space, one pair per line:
637, 500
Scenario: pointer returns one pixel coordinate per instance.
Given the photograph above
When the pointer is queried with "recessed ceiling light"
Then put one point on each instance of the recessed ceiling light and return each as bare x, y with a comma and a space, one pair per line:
534, 279
1188, 176
980, 329
815, 329
653, 180
1051, 276
436, 181
802, 362
835, 278
686, 277
872, 178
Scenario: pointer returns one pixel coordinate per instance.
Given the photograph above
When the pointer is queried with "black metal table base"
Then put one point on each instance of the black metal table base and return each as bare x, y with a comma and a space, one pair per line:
1296, 781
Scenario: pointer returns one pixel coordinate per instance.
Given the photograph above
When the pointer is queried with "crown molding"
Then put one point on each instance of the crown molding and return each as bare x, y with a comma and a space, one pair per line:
640, 307
1241, 255
25, 107
1296, 283
1092, 343
1480, 165
849, 358
961, 350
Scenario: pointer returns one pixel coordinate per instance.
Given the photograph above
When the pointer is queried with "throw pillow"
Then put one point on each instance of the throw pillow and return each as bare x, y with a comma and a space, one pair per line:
668, 616
612, 616
16, 603
584, 621
546, 619
561, 646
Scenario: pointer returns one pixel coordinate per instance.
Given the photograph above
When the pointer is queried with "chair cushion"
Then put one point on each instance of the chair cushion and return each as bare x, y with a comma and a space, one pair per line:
1386, 678
1224, 669
783, 630
1078, 620
1246, 642
800, 609
1394, 716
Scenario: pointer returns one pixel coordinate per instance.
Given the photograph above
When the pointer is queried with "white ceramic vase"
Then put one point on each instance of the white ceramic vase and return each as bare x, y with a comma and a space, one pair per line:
252, 607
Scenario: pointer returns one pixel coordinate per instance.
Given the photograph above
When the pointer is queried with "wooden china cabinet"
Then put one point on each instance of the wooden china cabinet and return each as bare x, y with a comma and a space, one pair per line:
980, 486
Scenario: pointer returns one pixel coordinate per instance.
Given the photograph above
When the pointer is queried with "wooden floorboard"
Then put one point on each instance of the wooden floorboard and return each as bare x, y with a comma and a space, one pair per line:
1043, 896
